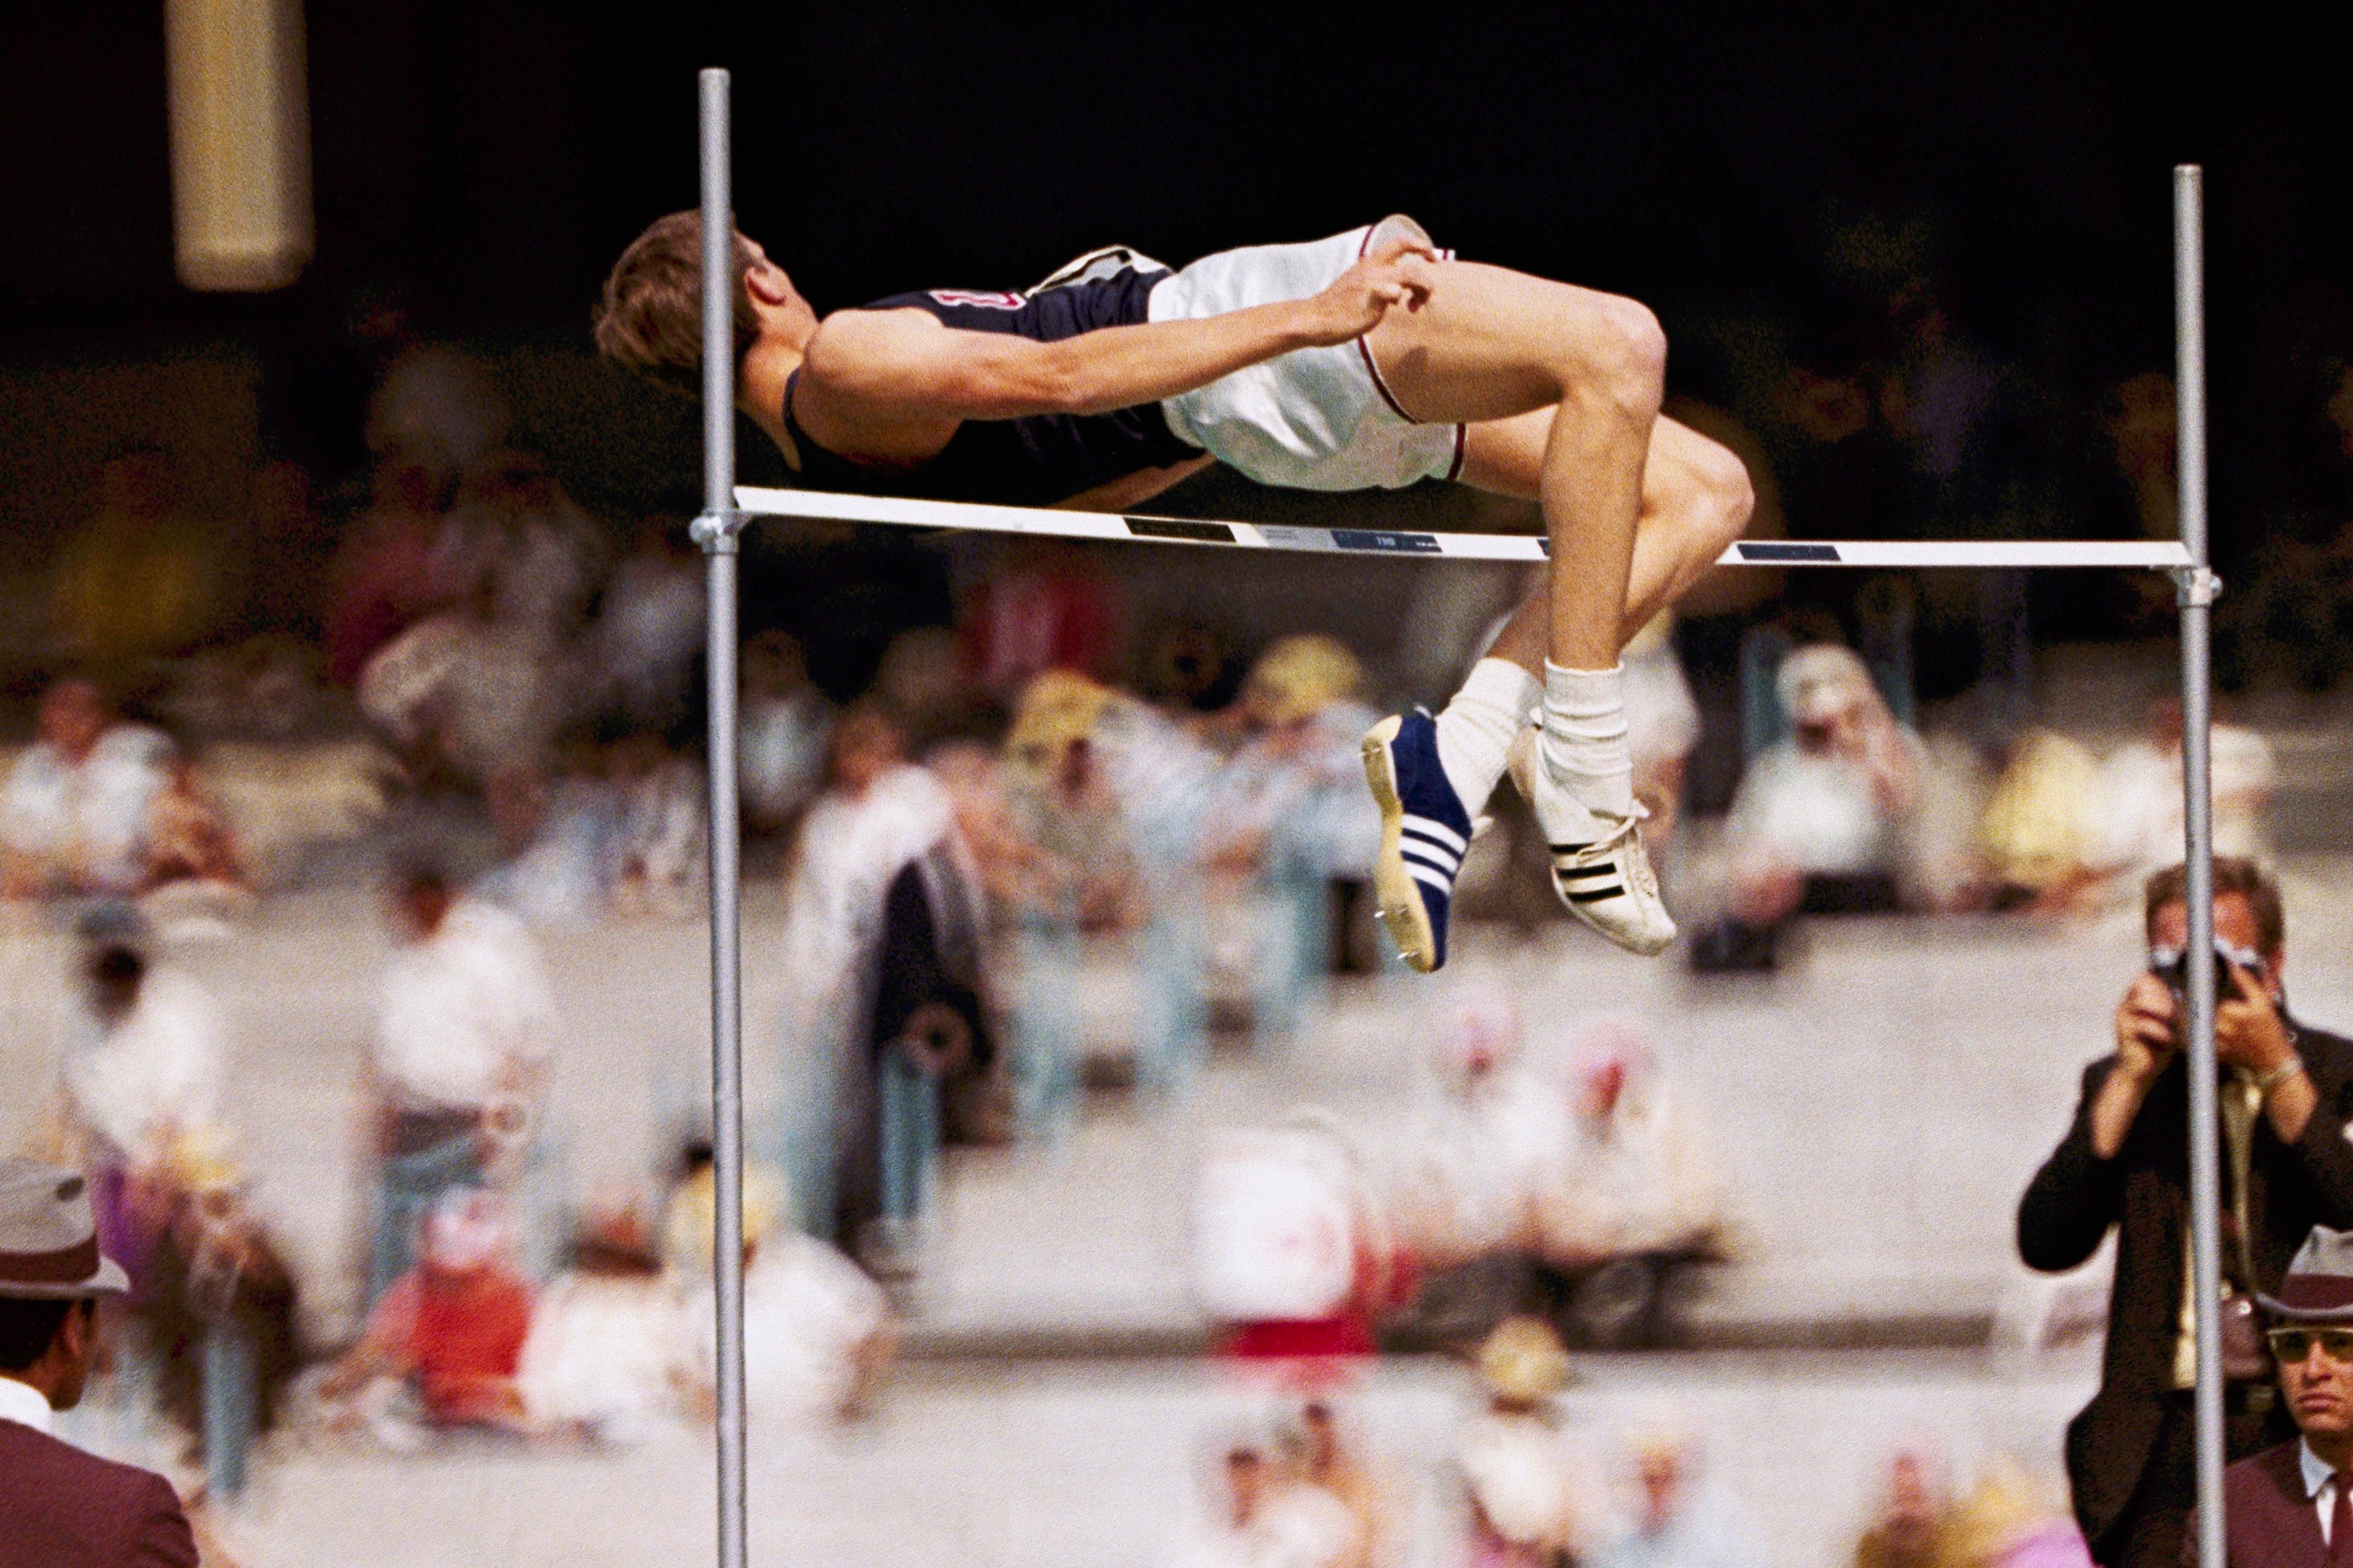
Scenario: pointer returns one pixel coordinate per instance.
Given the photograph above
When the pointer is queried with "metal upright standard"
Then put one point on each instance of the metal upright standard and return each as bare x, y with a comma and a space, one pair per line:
716, 532
727, 509
2197, 589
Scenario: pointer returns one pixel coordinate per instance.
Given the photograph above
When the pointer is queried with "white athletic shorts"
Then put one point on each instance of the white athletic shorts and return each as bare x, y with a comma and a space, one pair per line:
1313, 419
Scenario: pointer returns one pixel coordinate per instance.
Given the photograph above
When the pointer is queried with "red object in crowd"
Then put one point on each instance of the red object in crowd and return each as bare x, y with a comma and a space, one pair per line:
463, 1334
1310, 1354
1057, 613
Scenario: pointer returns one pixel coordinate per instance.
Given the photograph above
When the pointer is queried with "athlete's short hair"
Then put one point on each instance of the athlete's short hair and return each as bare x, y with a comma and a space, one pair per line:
650, 317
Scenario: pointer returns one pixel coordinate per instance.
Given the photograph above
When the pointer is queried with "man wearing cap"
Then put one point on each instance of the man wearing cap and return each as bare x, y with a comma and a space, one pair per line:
60, 1507
2284, 1102
2292, 1506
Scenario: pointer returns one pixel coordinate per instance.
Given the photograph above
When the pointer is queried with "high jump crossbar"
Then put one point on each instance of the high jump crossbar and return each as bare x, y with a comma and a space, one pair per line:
2162, 555
727, 509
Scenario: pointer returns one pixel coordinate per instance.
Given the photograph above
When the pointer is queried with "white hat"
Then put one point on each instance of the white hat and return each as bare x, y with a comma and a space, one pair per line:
48, 1236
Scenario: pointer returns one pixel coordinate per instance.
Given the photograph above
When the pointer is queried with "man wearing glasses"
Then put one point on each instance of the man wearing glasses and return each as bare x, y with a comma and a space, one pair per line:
2285, 1095
2292, 1505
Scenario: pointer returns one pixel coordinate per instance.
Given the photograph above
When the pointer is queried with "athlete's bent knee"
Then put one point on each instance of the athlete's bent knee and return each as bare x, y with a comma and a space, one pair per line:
1731, 495
1625, 353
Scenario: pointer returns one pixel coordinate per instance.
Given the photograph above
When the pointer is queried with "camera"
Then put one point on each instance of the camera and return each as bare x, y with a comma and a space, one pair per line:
2171, 964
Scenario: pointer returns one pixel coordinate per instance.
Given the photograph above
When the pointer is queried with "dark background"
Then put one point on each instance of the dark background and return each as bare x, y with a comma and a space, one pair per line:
493, 155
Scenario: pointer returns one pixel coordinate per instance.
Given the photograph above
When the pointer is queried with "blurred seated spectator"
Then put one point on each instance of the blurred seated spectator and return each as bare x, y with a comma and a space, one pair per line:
818, 1332
466, 692
466, 1024
1486, 1144
1817, 824
1574, 1184
1640, 1178
1320, 1457
187, 841
661, 840
514, 530
1187, 667
283, 800
2038, 834
1908, 1529
602, 1357
2137, 797
1535, 1494
450, 1331
1263, 1524
382, 580
1680, 1518
648, 640
141, 577
555, 837
786, 726
2008, 1521
78, 808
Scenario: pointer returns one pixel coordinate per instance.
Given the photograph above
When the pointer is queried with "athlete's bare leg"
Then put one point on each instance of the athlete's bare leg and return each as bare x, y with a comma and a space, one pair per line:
1696, 500
1561, 388
1490, 344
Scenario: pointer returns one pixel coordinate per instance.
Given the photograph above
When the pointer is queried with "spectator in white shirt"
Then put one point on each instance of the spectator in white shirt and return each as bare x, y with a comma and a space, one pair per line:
74, 812
148, 1074
1680, 1518
1269, 1526
1825, 807
141, 1083
466, 1025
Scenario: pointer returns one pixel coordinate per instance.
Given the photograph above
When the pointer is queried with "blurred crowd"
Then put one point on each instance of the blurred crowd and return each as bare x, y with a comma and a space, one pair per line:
1532, 1478
1029, 836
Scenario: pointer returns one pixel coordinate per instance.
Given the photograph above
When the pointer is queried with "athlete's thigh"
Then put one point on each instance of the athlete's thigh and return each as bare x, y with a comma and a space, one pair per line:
1506, 456
1489, 342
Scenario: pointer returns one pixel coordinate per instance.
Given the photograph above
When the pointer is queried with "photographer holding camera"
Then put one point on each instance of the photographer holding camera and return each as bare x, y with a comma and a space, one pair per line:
2285, 1095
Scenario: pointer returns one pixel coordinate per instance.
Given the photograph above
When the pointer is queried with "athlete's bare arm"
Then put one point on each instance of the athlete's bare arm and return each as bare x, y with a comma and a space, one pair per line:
892, 386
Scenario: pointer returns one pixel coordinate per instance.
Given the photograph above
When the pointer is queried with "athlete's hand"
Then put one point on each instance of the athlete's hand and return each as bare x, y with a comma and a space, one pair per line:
1397, 272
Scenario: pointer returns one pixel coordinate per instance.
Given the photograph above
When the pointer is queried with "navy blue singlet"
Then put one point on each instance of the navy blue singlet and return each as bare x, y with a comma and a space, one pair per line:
1038, 459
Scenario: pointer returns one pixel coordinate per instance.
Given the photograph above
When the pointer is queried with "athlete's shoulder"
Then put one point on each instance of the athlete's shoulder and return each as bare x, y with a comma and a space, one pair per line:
847, 340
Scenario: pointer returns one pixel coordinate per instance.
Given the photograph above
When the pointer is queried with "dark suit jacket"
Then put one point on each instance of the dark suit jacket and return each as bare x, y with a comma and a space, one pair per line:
60, 1507
2144, 1191
2267, 1521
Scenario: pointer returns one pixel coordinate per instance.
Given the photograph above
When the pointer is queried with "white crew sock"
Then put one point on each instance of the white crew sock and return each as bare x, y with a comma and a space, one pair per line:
1476, 730
1583, 746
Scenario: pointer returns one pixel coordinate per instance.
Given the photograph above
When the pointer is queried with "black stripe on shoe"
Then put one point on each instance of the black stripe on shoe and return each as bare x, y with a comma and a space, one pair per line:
1595, 895
1604, 869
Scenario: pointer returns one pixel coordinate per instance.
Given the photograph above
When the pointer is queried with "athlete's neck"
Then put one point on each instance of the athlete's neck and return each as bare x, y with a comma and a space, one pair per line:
760, 388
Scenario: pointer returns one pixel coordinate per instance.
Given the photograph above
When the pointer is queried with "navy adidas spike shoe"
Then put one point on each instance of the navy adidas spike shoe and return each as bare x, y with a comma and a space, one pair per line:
1425, 832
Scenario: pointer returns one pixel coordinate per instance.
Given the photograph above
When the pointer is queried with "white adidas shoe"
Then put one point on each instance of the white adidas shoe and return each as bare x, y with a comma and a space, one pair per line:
1606, 882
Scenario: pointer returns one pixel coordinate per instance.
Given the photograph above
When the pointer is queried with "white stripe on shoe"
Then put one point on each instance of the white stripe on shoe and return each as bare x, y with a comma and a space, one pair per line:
1430, 854
1436, 833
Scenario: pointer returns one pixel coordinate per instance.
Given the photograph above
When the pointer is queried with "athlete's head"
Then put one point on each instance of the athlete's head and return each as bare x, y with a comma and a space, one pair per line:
650, 317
